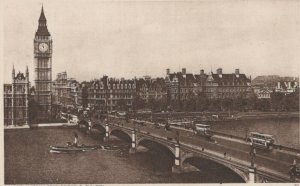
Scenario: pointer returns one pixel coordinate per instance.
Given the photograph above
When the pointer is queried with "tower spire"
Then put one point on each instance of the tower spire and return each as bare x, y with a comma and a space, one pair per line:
13, 73
42, 16
27, 72
42, 29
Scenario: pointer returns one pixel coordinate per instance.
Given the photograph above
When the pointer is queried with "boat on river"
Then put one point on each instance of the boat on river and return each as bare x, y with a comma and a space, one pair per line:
72, 148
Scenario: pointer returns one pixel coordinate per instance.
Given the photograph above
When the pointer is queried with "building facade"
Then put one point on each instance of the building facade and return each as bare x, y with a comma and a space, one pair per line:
151, 89
287, 87
182, 86
16, 96
43, 68
65, 90
107, 94
231, 86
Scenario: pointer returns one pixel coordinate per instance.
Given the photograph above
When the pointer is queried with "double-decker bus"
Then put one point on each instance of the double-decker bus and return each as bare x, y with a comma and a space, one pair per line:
181, 123
203, 130
261, 140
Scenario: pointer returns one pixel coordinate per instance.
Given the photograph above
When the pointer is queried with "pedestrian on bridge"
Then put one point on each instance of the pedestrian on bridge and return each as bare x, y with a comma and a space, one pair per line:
293, 171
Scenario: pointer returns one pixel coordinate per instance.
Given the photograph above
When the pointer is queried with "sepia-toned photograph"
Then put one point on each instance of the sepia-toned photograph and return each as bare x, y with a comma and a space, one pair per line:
150, 92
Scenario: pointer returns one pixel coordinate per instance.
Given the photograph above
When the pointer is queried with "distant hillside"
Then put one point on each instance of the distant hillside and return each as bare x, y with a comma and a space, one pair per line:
271, 80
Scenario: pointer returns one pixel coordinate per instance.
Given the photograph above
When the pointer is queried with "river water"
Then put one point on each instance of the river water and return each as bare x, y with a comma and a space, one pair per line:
28, 161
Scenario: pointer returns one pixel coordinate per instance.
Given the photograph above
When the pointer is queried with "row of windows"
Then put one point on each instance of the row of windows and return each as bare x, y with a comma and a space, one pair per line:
43, 63
233, 89
121, 96
17, 102
110, 102
43, 76
17, 114
120, 86
43, 37
233, 84
44, 99
43, 87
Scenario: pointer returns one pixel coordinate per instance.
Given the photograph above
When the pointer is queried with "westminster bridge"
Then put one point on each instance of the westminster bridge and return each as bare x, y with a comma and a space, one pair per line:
185, 146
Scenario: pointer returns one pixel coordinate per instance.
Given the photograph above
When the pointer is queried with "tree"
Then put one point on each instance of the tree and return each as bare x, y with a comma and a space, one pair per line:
33, 109
252, 101
122, 105
226, 104
84, 96
263, 105
138, 103
163, 103
175, 105
293, 101
202, 102
276, 100
214, 105
151, 104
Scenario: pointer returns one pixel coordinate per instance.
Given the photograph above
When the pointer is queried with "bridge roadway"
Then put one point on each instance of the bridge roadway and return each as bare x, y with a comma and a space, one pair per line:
269, 165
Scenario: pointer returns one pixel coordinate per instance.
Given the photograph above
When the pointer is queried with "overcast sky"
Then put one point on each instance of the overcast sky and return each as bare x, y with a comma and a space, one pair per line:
127, 39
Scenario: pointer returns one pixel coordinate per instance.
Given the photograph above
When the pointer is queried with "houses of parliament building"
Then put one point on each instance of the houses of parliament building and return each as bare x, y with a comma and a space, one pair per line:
16, 95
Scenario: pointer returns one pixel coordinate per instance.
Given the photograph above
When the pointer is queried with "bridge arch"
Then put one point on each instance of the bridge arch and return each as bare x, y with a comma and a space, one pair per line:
99, 127
189, 157
121, 134
83, 122
143, 140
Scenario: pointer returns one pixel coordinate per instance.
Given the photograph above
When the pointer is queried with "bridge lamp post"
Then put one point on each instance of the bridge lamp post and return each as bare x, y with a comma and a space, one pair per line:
252, 155
106, 138
252, 167
177, 168
133, 143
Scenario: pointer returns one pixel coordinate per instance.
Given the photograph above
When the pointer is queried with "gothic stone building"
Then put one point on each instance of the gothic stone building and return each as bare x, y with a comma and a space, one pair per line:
16, 100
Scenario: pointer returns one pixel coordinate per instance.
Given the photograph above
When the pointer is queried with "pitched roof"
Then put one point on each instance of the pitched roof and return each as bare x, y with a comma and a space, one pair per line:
230, 78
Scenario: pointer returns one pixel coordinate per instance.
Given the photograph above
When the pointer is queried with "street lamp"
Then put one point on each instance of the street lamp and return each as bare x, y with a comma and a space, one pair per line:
252, 154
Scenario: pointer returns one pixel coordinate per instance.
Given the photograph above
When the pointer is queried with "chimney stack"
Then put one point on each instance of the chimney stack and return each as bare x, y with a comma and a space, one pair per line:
219, 72
278, 85
237, 72
201, 72
184, 71
168, 71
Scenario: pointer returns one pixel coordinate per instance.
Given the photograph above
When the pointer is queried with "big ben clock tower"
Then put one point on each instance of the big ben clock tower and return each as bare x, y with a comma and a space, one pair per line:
43, 69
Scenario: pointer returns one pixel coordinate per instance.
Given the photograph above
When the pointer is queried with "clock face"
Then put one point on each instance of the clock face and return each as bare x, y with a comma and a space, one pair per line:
43, 47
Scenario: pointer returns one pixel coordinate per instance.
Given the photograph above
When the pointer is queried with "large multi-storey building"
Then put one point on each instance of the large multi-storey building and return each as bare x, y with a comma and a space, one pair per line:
120, 93
151, 89
43, 68
182, 86
107, 93
65, 90
16, 97
220, 86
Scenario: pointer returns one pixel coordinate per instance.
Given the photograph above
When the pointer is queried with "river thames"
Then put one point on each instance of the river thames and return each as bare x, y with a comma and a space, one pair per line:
28, 161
